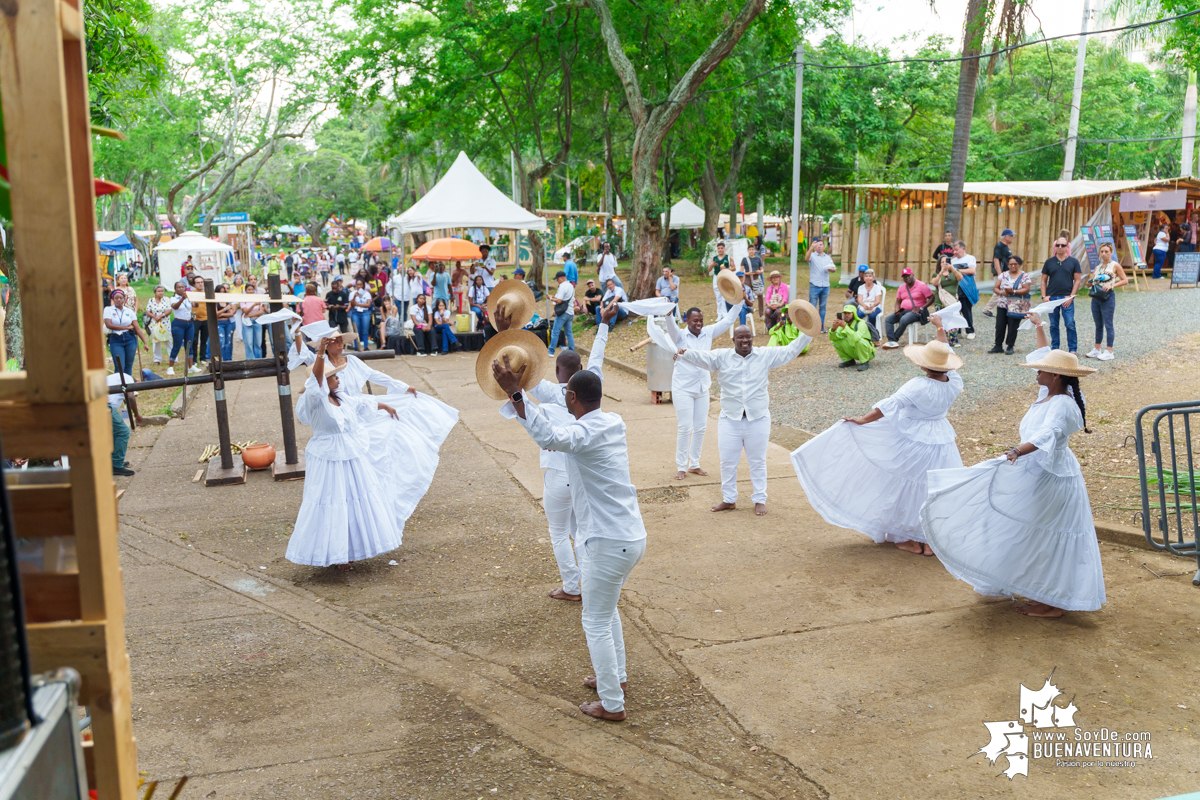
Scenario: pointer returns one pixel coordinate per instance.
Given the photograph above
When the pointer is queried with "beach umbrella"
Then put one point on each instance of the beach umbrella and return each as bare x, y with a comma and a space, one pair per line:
378, 244
447, 250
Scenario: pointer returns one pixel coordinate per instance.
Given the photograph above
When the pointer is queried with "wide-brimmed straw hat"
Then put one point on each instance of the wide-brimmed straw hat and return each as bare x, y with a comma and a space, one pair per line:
516, 298
522, 348
936, 356
730, 287
1060, 362
804, 316
321, 329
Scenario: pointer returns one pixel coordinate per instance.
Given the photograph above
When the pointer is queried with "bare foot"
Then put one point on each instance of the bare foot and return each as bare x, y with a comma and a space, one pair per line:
1035, 609
926, 550
698, 471
909, 547
590, 682
760, 509
345, 567
680, 475
723, 506
559, 594
596, 709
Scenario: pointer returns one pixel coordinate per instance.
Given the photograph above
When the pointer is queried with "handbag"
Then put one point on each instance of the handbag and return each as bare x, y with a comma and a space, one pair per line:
1017, 306
561, 307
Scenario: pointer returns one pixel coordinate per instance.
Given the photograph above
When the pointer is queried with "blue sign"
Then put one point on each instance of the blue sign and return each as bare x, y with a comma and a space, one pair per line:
229, 218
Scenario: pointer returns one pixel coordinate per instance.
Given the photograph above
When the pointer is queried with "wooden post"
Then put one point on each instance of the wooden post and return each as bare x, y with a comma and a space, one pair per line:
290, 469
221, 469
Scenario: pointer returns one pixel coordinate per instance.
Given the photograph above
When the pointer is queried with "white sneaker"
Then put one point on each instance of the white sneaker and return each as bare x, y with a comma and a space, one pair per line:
970, 336
170, 370
194, 368
1106, 356
1095, 353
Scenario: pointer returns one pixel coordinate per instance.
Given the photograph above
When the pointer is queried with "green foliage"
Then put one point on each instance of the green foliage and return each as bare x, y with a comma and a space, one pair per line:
125, 62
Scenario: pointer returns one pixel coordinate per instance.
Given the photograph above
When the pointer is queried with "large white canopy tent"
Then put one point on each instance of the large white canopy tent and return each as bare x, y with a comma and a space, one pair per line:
686, 215
209, 257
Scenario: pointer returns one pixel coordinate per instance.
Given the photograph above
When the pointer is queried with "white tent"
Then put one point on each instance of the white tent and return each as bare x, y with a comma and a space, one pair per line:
686, 214
464, 198
209, 257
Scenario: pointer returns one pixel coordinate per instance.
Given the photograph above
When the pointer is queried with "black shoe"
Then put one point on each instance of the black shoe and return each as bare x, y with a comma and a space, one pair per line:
849, 363
1008, 351
988, 314
123, 471
996, 349
863, 367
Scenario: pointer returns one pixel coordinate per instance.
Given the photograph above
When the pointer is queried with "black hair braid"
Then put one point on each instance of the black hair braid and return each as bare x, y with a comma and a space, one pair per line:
1072, 383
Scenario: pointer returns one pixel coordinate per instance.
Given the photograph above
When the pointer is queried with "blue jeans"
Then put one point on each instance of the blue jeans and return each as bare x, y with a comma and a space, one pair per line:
225, 331
361, 320
1160, 258
120, 432
480, 321
123, 347
621, 314
252, 338
819, 296
181, 336
560, 322
1102, 315
447, 334
1068, 315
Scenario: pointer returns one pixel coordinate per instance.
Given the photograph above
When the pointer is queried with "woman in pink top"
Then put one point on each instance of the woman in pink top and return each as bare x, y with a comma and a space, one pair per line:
776, 299
312, 308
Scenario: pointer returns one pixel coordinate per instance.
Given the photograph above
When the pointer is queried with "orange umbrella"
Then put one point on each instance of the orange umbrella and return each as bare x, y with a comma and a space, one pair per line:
446, 250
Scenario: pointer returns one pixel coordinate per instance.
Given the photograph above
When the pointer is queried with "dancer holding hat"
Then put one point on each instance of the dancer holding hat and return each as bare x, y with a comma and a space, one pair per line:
868, 473
745, 421
611, 532
1021, 524
346, 514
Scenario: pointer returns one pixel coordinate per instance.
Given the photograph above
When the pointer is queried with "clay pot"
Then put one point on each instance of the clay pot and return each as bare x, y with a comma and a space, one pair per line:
258, 456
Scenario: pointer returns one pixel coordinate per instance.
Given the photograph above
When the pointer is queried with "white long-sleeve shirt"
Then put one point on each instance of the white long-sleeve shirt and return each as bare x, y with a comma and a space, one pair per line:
744, 378
553, 396
602, 493
688, 378
608, 267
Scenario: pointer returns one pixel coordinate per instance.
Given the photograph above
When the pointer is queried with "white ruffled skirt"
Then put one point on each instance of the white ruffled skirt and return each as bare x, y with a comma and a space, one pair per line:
1016, 529
870, 478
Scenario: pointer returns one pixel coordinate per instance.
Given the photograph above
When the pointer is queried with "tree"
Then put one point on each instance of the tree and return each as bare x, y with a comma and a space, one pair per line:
974, 30
125, 62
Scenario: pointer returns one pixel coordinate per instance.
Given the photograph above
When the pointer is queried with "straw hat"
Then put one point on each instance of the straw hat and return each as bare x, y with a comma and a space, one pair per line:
321, 329
1060, 362
516, 298
521, 347
804, 316
730, 287
936, 356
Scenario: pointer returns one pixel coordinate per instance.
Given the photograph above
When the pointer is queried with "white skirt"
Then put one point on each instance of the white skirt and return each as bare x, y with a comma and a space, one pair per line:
1015, 529
346, 514
870, 478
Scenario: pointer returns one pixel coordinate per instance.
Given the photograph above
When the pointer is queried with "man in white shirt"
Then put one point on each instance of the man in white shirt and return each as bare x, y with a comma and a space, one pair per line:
486, 268
609, 520
564, 312
689, 386
608, 267
745, 422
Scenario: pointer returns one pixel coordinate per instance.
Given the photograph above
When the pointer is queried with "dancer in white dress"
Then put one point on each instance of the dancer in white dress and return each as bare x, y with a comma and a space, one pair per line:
868, 473
346, 514
1021, 524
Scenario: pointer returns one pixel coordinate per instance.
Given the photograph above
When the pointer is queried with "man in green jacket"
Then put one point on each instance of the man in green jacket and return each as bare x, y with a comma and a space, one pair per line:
851, 339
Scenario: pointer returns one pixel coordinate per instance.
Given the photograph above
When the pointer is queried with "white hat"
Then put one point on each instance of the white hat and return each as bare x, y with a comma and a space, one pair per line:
323, 330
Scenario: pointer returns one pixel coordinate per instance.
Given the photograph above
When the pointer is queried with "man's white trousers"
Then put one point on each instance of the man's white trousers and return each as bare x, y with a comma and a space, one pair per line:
734, 436
691, 412
606, 565
560, 513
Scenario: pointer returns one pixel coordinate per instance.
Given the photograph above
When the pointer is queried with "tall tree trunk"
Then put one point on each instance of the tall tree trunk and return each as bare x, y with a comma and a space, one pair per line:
14, 332
973, 32
714, 193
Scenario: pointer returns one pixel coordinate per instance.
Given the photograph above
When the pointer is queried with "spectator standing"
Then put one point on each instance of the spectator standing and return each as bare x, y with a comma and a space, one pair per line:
312, 308
1012, 287
912, 305
200, 321
613, 291
459, 283
564, 312
752, 265
1102, 283
341, 262
360, 313
290, 263
158, 322
225, 325
1000, 255
608, 266
968, 294
119, 429
1061, 276
572, 270
820, 267
1162, 243
337, 303
181, 327
123, 332
439, 279
487, 267
667, 286
252, 329
946, 248
1187, 231
776, 299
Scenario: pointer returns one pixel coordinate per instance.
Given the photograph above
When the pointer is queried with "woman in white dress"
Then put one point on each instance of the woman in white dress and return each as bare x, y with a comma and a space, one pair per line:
347, 514
1021, 524
868, 473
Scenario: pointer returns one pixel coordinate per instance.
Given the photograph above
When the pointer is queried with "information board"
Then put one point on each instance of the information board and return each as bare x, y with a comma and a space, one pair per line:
1089, 245
1187, 268
1135, 248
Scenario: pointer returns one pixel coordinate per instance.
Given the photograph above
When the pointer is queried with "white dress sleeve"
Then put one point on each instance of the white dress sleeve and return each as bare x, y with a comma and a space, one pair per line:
906, 395
305, 356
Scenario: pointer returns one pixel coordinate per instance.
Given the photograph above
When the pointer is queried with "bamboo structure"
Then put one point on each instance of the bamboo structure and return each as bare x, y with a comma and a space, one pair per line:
58, 405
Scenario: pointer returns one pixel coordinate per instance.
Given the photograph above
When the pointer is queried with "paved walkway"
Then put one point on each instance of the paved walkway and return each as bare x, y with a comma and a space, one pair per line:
769, 657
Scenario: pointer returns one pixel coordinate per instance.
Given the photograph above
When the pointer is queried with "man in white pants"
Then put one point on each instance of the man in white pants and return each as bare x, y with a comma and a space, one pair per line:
606, 509
556, 485
745, 422
689, 386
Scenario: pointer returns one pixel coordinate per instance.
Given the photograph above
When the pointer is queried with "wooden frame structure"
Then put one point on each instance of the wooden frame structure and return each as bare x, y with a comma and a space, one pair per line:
58, 406
907, 219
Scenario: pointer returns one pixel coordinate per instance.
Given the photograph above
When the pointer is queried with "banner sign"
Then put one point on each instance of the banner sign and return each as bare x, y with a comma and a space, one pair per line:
1164, 200
1135, 248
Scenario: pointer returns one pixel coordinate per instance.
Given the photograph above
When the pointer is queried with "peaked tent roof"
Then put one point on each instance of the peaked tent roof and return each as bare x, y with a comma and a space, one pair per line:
1054, 191
464, 198
194, 242
686, 214
113, 241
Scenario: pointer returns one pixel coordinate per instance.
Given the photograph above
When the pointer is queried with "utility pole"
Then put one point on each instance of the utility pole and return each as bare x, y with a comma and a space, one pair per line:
567, 178
516, 187
1187, 162
1068, 171
796, 165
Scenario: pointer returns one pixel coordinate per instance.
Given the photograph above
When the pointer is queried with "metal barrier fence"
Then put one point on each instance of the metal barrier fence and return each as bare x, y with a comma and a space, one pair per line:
1173, 476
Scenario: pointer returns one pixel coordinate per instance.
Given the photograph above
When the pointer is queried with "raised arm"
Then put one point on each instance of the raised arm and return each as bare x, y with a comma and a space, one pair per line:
725, 322
673, 331
704, 359
778, 356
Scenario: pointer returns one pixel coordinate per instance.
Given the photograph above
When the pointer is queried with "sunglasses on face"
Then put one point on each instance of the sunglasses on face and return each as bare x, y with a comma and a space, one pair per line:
1061, 245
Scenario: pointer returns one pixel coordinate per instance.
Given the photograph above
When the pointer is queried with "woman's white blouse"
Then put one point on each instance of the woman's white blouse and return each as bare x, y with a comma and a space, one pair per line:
119, 316
918, 409
1048, 425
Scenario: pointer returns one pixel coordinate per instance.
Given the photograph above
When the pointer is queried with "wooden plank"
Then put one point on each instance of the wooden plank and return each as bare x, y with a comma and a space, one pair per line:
12, 385
219, 476
229, 297
51, 596
42, 510
71, 22
79, 645
45, 431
